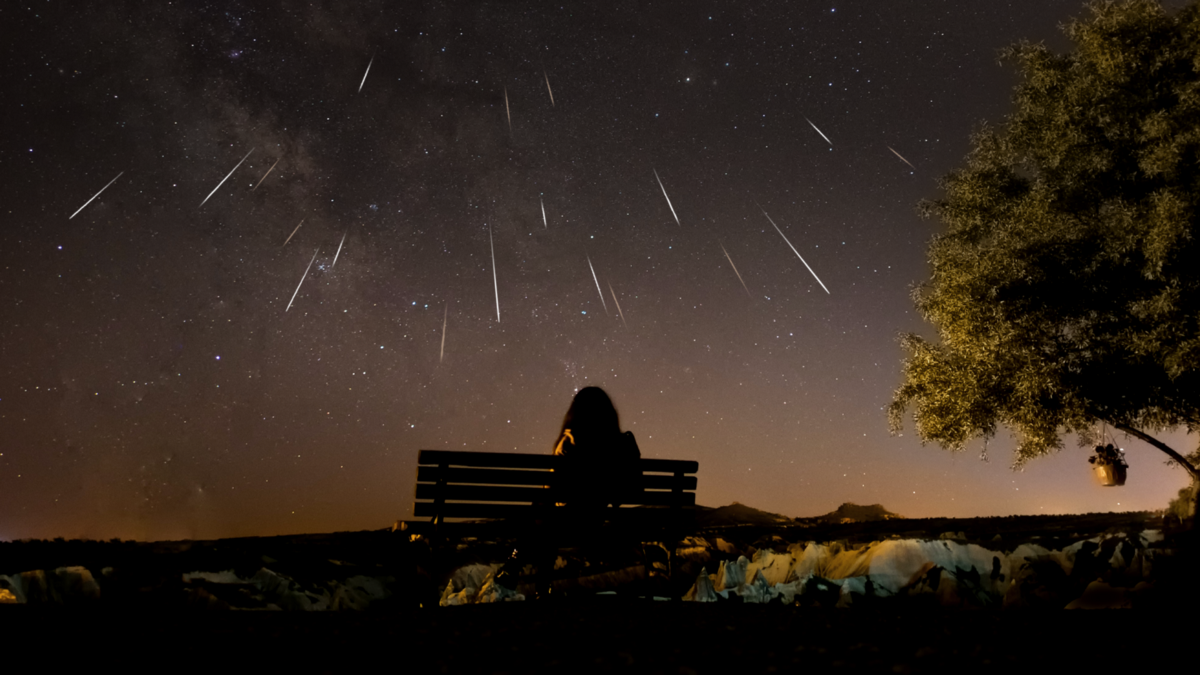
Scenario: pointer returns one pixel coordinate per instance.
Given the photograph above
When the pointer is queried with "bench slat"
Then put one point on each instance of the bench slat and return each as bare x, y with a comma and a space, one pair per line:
668, 465
512, 460
632, 515
491, 493
433, 474
505, 460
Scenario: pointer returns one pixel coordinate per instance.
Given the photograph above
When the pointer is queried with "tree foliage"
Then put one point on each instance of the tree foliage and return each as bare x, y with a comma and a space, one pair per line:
1065, 288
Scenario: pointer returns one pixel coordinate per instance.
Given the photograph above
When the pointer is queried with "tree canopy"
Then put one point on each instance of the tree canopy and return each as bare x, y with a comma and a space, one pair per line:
1065, 288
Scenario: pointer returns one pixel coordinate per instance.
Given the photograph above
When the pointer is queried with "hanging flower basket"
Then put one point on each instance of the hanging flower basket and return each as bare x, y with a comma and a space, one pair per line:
1109, 465
1110, 474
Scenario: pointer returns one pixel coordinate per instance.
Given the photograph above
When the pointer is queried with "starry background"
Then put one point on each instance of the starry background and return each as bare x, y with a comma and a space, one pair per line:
154, 383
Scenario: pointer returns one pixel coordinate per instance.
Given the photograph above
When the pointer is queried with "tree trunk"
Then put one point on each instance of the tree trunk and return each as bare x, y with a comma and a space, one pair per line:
1179, 459
1195, 495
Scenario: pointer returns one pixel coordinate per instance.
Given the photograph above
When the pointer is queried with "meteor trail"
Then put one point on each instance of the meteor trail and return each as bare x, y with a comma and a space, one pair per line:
495, 283
96, 195
339, 251
445, 315
610, 290
819, 132
593, 269
225, 178
548, 87
810, 270
660, 185
507, 110
544, 224
306, 269
900, 156
260, 180
293, 233
364, 80
739, 274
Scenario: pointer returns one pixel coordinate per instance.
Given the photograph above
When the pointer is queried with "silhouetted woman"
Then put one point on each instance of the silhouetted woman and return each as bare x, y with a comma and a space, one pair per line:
603, 463
601, 468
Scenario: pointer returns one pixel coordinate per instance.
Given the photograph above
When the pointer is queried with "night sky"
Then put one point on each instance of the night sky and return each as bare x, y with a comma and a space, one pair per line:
154, 383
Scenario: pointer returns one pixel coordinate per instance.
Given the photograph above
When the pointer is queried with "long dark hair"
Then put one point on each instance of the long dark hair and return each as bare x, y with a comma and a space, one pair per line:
591, 415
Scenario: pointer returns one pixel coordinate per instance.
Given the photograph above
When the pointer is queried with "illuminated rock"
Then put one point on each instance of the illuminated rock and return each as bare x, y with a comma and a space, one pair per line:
775, 567
465, 584
494, 592
63, 585
731, 574
955, 573
702, 590
12, 589
725, 547
695, 549
786, 593
222, 577
757, 590
357, 593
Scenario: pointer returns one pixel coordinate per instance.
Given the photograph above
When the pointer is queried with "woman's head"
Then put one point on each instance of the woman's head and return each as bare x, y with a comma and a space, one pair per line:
592, 413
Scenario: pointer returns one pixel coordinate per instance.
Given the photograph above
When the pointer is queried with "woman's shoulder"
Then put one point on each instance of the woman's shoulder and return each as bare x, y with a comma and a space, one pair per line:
629, 446
565, 442
623, 446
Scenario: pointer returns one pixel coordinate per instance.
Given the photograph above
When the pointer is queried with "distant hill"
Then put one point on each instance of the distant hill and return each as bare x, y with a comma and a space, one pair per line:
855, 513
738, 514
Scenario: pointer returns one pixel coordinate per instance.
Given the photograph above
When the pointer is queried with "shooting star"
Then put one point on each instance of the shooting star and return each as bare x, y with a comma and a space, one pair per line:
508, 110
548, 87
260, 180
445, 315
364, 80
593, 269
901, 157
95, 195
610, 290
660, 185
339, 251
495, 283
810, 270
306, 269
735, 270
544, 223
819, 131
225, 178
293, 233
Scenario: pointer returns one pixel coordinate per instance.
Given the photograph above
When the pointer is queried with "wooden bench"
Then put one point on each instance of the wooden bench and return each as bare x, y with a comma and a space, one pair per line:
502, 485
523, 493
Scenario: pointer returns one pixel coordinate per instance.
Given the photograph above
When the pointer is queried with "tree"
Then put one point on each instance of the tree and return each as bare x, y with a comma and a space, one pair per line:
1065, 289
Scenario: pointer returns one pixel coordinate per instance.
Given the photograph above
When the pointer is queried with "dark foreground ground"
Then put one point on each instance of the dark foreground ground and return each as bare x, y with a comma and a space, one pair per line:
142, 624
599, 636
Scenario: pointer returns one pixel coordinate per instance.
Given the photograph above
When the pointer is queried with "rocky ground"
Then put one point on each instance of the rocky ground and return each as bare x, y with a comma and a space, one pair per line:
354, 569
139, 603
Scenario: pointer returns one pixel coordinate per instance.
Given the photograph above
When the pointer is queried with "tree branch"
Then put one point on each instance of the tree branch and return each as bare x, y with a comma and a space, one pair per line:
1187, 466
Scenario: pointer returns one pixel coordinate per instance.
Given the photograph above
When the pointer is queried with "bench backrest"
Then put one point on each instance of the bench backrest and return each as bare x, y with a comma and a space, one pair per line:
452, 484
